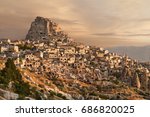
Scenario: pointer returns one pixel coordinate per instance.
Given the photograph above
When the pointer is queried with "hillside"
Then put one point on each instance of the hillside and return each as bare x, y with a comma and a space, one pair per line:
73, 89
48, 64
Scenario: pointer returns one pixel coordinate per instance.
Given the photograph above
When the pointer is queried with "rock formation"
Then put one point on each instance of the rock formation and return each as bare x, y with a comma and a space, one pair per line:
136, 81
44, 29
144, 81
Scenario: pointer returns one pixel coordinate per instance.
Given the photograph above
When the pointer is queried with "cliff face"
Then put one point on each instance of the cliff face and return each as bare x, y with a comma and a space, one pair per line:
44, 29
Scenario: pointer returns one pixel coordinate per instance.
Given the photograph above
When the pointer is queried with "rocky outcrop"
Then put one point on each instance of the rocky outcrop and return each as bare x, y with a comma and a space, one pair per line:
8, 95
44, 29
136, 81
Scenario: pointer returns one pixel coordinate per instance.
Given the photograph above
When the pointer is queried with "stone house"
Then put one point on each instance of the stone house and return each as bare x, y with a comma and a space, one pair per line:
5, 41
71, 60
70, 50
64, 59
4, 48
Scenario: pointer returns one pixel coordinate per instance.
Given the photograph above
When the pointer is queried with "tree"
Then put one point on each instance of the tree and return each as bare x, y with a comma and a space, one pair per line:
10, 74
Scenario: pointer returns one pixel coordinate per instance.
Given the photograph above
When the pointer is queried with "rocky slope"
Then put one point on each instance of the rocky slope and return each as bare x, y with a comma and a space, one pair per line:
57, 68
64, 88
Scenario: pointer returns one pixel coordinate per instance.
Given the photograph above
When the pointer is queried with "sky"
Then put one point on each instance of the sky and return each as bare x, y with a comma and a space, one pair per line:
104, 23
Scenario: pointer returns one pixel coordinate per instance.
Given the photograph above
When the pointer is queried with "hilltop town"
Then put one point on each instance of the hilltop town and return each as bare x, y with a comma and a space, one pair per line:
60, 68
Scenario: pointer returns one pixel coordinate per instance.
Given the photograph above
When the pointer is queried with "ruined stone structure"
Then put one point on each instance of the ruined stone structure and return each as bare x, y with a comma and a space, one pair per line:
44, 29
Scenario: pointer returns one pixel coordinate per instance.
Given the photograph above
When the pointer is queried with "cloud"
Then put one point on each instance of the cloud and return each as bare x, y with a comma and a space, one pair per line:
104, 34
85, 20
66, 21
115, 35
137, 35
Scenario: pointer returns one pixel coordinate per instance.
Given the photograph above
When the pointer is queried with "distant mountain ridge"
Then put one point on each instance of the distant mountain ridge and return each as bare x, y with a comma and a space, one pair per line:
138, 53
